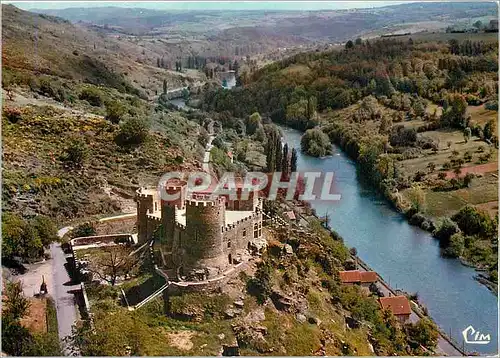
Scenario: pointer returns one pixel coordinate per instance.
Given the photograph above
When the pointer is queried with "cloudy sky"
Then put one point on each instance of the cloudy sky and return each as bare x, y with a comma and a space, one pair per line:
212, 5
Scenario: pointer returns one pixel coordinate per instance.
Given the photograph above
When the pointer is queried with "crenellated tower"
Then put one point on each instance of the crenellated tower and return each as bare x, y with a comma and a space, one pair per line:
202, 245
177, 188
147, 204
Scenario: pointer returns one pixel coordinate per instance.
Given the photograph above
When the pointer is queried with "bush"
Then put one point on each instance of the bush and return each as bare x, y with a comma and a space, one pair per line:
253, 123
85, 229
260, 285
456, 246
13, 115
45, 228
417, 219
401, 136
475, 222
115, 111
24, 239
315, 143
447, 229
91, 95
133, 131
219, 143
76, 152
423, 333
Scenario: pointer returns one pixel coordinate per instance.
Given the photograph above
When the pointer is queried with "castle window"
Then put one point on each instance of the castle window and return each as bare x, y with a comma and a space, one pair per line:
156, 206
229, 244
244, 232
255, 231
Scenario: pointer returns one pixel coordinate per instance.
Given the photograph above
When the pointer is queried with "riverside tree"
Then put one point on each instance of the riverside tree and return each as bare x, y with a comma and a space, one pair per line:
316, 143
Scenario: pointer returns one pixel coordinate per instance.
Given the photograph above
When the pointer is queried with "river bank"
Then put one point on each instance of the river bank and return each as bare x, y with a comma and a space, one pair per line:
405, 255
375, 167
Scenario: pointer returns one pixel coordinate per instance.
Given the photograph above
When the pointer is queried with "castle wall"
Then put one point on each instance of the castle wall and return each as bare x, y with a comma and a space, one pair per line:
153, 222
239, 235
248, 204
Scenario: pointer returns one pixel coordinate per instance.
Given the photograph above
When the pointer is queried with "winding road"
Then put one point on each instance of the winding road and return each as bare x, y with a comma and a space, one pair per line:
64, 298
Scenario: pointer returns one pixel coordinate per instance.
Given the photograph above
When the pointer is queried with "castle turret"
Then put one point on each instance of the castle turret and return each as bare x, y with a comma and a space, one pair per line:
147, 203
202, 244
168, 208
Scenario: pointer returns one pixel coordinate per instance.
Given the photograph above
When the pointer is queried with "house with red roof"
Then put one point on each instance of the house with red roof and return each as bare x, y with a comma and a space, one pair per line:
356, 277
398, 305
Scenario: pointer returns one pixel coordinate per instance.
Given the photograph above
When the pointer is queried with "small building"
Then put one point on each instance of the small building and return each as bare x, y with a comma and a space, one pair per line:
356, 277
398, 305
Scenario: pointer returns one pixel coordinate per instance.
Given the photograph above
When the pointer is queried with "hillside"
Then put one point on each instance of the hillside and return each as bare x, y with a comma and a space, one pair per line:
323, 26
80, 55
78, 135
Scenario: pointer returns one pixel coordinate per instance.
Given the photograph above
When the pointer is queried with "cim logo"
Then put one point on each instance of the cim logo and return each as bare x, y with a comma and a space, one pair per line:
471, 336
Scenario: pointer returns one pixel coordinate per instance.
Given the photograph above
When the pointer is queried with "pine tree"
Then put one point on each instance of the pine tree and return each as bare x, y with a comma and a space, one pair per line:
293, 161
270, 153
279, 153
284, 161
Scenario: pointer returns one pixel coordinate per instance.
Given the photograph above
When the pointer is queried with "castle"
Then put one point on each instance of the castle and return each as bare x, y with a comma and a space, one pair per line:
201, 235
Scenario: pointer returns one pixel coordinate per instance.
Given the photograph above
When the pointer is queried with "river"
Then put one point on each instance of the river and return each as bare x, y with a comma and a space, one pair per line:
405, 256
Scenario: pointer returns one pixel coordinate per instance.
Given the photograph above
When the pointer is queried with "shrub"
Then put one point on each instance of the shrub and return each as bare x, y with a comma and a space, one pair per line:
467, 156
253, 123
446, 230
456, 246
475, 222
417, 219
491, 105
115, 111
45, 228
76, 152
424, 332
219, 143
133, 131
13, 115
85, 229
21, 238
260, 285
91, 95
401, 136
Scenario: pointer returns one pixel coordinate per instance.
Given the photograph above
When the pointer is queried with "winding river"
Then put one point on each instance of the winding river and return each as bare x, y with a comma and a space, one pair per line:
404, 255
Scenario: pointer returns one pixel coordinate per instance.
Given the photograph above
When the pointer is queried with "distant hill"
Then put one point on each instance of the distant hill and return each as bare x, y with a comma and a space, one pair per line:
45, 44
329, 25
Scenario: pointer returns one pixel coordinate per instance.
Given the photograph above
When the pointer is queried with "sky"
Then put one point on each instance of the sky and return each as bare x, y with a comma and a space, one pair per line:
206, 5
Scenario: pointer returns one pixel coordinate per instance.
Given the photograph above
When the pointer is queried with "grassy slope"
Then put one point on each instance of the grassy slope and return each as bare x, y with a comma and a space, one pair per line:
44, 44
36, 179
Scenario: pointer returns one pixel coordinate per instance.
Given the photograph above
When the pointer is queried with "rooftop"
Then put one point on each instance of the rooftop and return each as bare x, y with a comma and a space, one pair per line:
356, 276
398, 305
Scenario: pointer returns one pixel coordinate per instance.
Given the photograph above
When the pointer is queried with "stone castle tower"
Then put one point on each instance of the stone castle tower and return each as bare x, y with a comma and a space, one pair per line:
201, 236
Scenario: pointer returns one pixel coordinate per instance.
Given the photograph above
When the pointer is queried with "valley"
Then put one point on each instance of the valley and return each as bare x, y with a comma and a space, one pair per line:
399, 102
